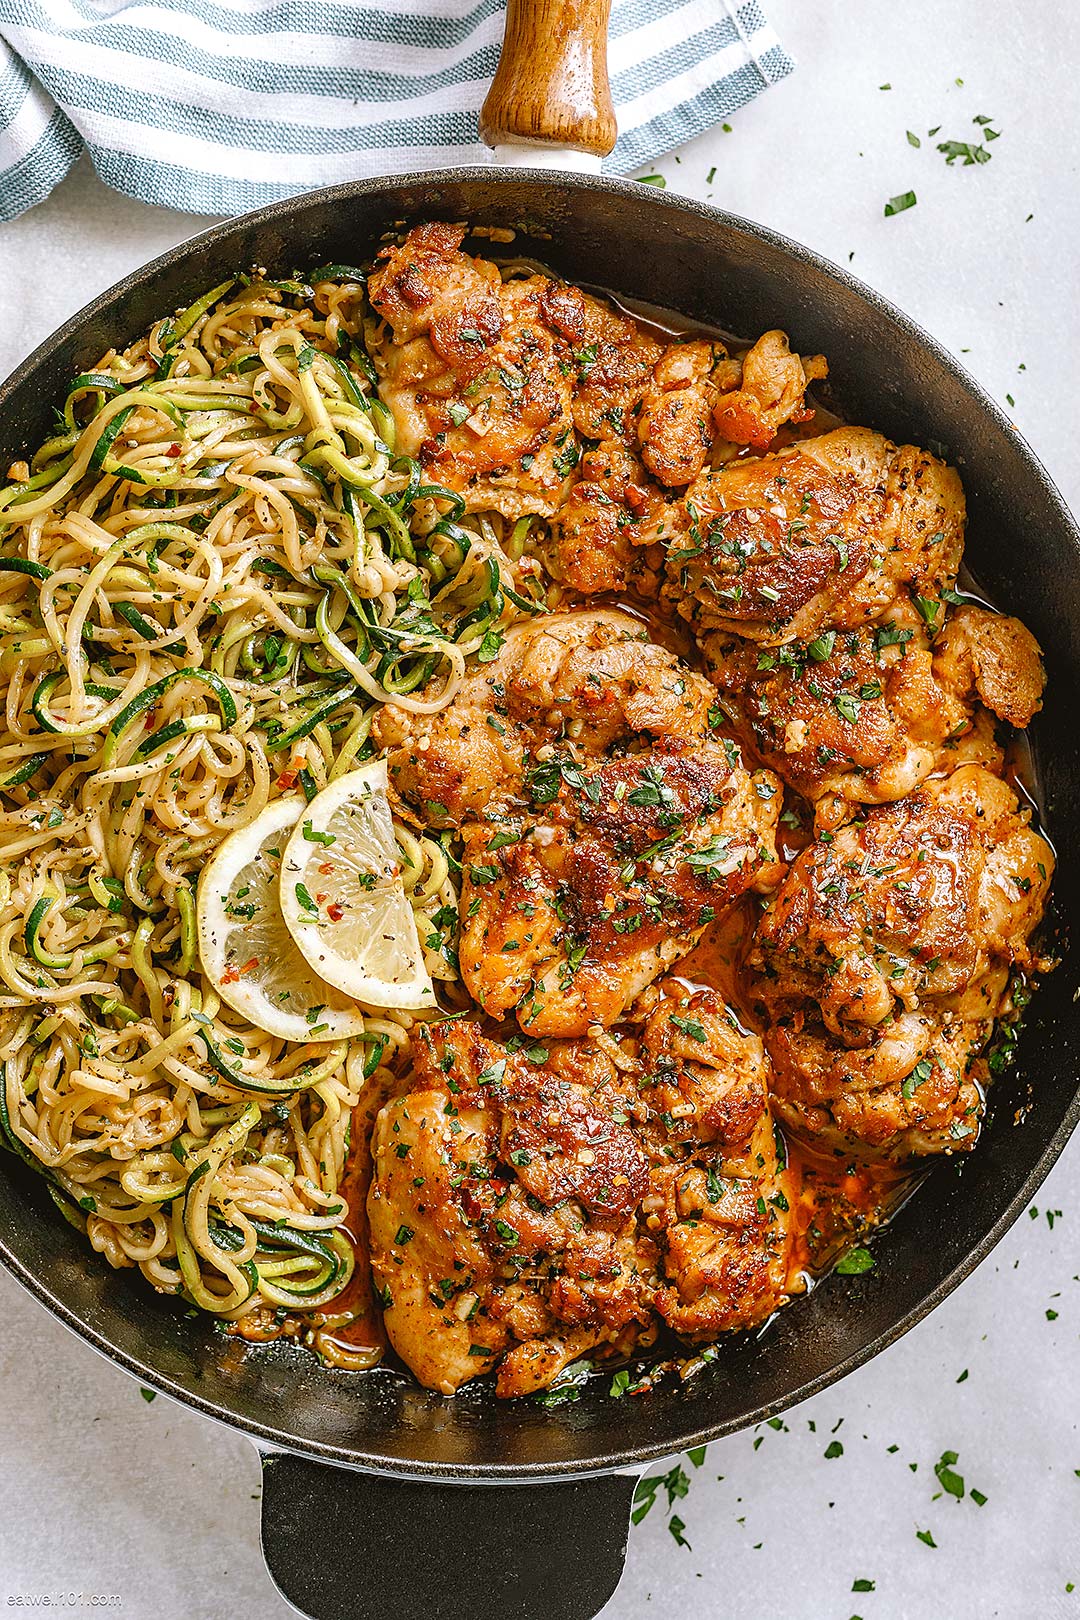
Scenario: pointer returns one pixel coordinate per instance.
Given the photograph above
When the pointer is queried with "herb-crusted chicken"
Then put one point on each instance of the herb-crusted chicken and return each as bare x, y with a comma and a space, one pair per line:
885, 956
863, 716
569, 913
605, 823
531, 1204
479, 384
825, 534
591, 679
718, 1203
502, 1210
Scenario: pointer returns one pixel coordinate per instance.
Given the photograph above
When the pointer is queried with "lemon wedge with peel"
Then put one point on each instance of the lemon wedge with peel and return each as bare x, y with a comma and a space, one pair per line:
247, 952
343, 899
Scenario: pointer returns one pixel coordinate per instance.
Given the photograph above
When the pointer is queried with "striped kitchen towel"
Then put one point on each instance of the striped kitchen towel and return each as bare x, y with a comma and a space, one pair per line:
218, 106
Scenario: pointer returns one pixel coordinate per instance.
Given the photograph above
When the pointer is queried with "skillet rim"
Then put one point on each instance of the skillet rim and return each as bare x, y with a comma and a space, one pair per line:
265, 1437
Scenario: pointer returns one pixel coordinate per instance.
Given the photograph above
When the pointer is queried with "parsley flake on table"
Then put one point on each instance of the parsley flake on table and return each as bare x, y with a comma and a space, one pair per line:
967, 150
676, 1526
900, 203
948, 1479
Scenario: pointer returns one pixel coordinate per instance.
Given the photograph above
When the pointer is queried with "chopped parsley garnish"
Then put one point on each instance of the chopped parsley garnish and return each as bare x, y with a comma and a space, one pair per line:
689, 1026
919, 1075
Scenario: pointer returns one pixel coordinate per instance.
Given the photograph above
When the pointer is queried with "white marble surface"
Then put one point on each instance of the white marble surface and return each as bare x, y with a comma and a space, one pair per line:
105, 1494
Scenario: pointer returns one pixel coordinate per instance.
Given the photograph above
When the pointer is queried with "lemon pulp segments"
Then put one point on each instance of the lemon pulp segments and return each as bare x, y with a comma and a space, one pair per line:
343, 899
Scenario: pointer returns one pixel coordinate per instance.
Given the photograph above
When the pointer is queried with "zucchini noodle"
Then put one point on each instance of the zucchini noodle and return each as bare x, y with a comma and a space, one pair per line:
211, 575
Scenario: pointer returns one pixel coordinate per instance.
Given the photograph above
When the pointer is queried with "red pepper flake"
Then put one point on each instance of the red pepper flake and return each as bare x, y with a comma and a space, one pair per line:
335, 912
173, 450
326, 868
287, 779
229, 976
249, 967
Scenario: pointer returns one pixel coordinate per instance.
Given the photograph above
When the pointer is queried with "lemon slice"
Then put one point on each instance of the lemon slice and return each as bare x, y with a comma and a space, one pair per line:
343, 900
246, 950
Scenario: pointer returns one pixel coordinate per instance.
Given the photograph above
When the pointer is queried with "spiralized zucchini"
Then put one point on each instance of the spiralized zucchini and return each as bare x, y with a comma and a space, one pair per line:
210, 577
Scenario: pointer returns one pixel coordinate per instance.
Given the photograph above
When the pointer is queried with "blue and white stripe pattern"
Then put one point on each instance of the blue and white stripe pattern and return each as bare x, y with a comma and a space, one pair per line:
219, 106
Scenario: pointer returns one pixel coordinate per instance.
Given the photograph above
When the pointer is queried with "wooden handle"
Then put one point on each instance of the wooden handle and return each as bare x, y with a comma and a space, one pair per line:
551, 86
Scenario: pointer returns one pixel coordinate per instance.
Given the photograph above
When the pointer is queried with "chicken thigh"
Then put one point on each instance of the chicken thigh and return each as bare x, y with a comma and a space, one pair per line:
479, 385
502, 1211
530, 1205
825, 534
886, 955
863, 716
610, 531
717, 1202
590, 680
605, 822
569, 913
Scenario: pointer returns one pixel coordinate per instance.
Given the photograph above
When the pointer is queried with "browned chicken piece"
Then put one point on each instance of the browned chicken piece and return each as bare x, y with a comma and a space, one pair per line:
994, 656
479, 385
674, 424
421, 286
530, 1205
825, 534
608, 535
851, 717
863, 716
885, 956
584, 875
613, 359
589, 677
503, 1211
566, 917
771, 391
721, 1212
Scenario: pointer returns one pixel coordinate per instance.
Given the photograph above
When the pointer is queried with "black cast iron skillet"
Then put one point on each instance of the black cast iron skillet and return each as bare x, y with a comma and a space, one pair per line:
410, 1523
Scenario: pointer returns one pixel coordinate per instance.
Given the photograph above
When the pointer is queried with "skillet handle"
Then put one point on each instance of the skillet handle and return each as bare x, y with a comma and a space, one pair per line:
341, 1545
551, 86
